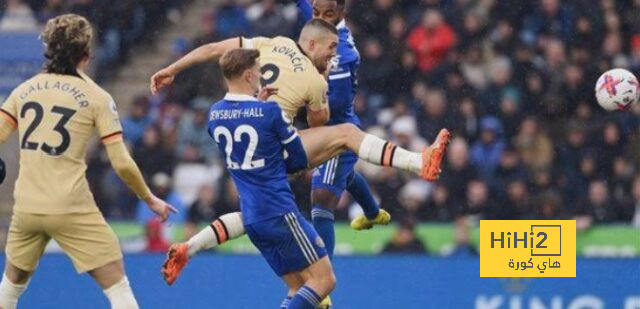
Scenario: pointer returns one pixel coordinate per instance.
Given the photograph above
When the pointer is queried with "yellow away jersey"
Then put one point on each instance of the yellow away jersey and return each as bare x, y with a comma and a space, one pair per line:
56, 116
286, 67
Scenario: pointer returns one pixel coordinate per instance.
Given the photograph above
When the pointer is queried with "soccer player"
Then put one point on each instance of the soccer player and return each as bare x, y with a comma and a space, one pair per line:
331, 179
293, 67
320, 143
56, 113
253, 135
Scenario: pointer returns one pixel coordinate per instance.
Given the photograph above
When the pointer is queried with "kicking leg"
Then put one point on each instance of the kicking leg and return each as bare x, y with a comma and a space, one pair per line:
221, 230
323, 143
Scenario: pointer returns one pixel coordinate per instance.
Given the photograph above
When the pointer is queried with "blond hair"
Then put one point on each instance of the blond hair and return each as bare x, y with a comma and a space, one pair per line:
67, 40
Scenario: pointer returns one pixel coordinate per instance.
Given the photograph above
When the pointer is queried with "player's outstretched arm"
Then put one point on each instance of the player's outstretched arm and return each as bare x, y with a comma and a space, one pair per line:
128, 171
207, 52
305, 9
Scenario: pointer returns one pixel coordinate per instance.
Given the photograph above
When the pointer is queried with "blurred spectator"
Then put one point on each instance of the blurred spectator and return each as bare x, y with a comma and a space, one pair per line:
151, 156
499, 86
431, 40
17, 16
203, 210
413, 197
550, 18
548, 206
191, 173
375, 68
466, 119
193, 133
434, 114
613, 144
534, 146
479, 203
510, 168
268, 19
232, 21
161, 187
517, 205
440, 205
486, 152
598, 207
636, 202
405, 240
156, 241
458, 171
405, 134
462, 234
138, 120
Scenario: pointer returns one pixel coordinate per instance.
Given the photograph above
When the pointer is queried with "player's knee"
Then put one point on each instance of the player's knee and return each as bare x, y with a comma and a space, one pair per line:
324, 198
17, 275
329, 282
347, 129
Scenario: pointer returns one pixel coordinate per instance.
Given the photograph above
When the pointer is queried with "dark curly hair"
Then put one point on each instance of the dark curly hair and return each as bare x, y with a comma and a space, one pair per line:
67, 40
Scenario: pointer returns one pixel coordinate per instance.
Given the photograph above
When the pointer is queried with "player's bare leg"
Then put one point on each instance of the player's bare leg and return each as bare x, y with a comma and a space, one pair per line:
320, 144
114, 283
324, 143
228, 226
14, 282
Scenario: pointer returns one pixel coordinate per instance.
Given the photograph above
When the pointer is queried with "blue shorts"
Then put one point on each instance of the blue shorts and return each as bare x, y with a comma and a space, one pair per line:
334, 175
288, 242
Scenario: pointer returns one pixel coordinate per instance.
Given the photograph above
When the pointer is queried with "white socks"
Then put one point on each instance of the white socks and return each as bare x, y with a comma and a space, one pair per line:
229, 226
380, 152
205, 239
120, 295
10, 293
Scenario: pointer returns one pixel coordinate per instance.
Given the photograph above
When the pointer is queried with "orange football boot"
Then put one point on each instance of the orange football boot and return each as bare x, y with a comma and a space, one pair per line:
177, 259
432, 156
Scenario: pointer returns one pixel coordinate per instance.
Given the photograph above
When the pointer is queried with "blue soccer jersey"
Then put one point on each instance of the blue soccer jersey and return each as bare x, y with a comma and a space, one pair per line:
343, 82
253, 136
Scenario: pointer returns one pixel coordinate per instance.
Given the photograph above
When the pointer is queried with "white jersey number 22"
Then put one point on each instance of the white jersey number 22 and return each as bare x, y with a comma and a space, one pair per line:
248, 163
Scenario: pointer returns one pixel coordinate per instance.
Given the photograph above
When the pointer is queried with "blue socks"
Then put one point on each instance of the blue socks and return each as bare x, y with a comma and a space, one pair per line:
323, 220
306, 298
361, 193
285, 303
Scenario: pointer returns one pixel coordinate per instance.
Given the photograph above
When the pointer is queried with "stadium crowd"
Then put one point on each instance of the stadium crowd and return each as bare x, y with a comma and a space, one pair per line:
120, 24
512, 79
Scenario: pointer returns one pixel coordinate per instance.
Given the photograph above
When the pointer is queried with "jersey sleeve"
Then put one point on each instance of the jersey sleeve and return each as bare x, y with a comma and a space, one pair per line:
108, 122
295, 156
317, 94
342, 85
305, 9
252, 43
283, 126
9, 111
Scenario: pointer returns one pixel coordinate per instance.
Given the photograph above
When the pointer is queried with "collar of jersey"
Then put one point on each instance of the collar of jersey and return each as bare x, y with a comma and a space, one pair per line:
341, 25
302, 50
239, 97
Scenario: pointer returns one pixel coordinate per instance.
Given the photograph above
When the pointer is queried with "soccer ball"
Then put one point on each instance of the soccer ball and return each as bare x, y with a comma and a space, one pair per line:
617, 89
